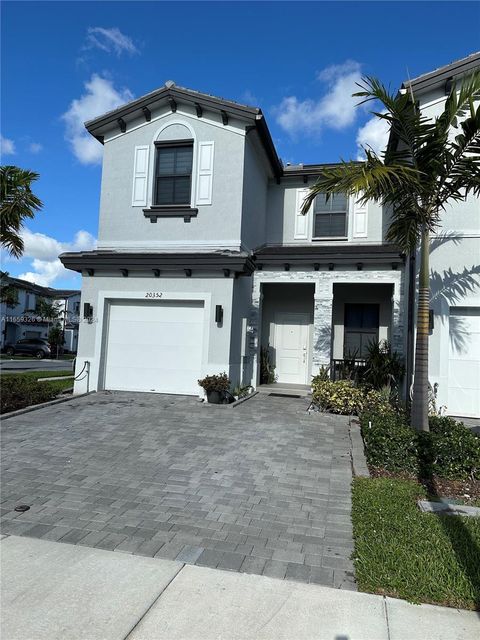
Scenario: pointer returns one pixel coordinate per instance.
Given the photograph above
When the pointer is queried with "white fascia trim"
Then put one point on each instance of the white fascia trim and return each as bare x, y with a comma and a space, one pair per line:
179, 112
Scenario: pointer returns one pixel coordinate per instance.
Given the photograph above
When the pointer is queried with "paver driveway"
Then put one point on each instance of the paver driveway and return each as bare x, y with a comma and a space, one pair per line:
260, 488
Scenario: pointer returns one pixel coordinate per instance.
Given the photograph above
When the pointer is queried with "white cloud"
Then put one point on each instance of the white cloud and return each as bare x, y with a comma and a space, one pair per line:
100, 96
249, 98
44, 250
110, 40
35, 147
374, 134
335, 109
7, 146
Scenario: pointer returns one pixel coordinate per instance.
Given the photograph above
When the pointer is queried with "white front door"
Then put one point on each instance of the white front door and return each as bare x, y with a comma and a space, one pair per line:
291, 347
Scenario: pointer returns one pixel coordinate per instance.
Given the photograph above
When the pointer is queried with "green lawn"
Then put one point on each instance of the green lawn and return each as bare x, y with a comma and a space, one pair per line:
35, 375
404, 553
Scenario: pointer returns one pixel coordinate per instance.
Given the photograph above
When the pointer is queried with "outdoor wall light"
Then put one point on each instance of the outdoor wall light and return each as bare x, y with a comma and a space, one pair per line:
218, 313
87, 311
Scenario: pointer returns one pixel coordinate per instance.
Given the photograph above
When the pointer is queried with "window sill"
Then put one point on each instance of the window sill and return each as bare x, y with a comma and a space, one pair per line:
170, 211
328, 238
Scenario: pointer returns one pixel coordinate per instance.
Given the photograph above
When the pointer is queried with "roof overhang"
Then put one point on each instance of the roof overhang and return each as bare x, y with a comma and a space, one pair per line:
172, 97
313, 256
239, 263
443, 76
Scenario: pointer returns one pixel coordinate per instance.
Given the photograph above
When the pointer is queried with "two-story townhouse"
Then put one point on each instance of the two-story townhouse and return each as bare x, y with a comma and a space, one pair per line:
203, 255
454, 357
20, 320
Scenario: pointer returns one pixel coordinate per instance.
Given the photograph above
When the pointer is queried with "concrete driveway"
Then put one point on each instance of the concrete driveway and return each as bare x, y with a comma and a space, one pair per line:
262, 488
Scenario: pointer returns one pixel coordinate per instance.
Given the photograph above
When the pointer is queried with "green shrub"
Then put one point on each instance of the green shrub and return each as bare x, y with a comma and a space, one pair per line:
390, 443
19, 392
383, 367
337, 397
346, 398
449, 450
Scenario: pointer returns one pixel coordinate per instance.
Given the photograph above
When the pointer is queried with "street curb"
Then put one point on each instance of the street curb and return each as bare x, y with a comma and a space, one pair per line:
359, 462
34, 407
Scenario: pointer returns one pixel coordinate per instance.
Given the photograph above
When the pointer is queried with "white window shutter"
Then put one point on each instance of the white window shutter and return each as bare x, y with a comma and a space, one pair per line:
140, 176
360, 220
205, 172
301, 221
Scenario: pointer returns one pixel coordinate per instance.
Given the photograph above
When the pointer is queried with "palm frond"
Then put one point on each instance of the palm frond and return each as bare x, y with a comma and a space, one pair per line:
370, 180
17, 203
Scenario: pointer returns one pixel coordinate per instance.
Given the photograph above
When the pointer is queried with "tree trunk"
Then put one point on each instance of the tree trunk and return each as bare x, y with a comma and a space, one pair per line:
419, 415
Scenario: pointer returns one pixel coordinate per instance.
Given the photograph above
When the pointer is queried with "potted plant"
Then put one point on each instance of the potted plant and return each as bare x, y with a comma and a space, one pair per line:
216, 387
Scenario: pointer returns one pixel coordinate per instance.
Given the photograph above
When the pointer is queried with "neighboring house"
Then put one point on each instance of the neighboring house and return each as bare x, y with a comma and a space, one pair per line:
203, 255
20, 318
455, 271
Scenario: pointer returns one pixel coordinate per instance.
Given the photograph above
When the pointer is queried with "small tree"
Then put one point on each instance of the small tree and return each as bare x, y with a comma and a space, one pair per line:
55, 339
423, 169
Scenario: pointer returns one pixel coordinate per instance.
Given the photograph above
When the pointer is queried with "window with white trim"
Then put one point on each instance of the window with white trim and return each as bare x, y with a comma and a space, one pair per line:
173, 173
330, 216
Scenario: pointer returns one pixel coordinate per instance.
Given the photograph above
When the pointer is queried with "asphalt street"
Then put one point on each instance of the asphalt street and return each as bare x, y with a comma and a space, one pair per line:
19, 366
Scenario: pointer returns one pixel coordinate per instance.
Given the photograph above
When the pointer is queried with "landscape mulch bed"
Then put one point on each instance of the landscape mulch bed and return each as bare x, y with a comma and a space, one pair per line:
463, 491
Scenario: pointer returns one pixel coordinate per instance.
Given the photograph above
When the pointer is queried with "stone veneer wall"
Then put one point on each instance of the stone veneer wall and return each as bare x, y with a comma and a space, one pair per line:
323, 301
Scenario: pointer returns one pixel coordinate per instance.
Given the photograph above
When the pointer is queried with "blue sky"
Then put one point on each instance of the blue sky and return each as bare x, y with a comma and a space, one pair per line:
67, 61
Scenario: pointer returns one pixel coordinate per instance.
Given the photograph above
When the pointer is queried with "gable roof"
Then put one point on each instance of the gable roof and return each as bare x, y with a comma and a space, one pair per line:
436, 78
170, 94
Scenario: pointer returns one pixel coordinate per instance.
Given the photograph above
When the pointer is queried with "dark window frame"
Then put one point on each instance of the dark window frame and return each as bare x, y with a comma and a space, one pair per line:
172, 144
345, 212
360, 330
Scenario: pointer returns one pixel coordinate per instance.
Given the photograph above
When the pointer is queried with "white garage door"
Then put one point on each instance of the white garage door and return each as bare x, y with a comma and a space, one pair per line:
154, 346
464, 362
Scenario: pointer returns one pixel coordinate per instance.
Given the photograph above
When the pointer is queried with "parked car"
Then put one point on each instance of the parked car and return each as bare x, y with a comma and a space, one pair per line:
30, 346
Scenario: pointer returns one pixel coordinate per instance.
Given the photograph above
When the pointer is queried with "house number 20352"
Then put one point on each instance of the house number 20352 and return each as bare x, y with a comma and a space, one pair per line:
153, 294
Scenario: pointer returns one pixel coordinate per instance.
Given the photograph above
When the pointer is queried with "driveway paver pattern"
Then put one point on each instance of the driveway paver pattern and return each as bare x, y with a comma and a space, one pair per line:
263, 488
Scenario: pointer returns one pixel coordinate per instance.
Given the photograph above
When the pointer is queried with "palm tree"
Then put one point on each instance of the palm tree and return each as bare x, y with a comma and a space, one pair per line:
17, 203
428, 163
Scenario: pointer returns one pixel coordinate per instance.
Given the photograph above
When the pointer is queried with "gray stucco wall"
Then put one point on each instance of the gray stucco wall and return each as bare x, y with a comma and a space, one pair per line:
254, 205
123, 226
216, 290
281, 211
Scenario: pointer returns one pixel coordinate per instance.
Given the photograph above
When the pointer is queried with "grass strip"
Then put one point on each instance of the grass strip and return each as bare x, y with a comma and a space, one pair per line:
404, 553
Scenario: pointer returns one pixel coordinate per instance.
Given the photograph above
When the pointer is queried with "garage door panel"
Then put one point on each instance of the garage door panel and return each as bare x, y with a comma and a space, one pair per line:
162, 336
154, 346
464, 362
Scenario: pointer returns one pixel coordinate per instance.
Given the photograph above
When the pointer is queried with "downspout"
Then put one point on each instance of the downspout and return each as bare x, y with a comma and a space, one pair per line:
410, 323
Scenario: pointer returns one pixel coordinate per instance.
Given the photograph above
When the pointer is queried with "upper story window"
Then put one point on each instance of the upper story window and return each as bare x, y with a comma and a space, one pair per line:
330, 216
173, 173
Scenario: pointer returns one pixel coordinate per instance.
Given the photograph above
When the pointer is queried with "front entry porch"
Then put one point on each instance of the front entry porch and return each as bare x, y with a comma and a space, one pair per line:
327, 321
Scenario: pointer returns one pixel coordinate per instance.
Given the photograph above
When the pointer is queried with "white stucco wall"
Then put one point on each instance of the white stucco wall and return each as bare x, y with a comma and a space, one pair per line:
454, 268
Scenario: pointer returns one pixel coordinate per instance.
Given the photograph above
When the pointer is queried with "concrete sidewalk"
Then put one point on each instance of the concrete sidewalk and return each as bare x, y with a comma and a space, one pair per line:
59, 591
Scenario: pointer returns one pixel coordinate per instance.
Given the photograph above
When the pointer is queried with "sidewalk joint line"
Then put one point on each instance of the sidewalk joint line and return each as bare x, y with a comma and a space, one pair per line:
153, 603
386, 617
